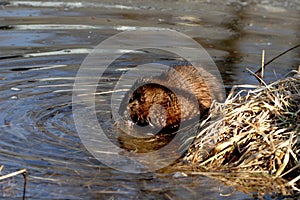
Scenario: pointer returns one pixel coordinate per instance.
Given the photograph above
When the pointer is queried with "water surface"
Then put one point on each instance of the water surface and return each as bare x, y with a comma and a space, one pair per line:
43, 44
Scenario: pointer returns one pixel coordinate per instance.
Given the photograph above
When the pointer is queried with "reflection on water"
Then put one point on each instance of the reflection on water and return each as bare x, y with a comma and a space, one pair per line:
42, 47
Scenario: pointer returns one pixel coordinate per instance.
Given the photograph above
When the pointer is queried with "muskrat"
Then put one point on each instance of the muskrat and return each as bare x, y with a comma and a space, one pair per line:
178, 95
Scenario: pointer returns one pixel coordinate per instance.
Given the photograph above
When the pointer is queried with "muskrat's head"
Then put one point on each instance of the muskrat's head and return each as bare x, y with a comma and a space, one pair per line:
153, 104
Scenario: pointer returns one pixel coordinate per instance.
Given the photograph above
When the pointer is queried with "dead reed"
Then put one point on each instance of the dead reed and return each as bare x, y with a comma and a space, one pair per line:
253, 139
6, 187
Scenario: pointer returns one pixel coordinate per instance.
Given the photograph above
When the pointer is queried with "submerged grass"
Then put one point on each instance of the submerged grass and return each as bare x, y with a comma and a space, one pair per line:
7, 185
253, 139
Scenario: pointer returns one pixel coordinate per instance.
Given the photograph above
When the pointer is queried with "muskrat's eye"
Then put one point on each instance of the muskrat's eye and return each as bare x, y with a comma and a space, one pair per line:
131, 100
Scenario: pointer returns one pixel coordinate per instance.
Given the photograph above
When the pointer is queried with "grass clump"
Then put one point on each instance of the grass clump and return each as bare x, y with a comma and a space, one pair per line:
253, 132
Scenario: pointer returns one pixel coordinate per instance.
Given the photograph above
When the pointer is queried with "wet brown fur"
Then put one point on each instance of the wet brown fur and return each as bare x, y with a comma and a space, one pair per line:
179, 94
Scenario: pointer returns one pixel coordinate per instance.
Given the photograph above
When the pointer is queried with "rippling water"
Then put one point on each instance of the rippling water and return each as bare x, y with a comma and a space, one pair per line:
44, 43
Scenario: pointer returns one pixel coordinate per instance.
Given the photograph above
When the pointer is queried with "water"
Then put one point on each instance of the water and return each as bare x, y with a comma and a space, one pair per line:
43, 45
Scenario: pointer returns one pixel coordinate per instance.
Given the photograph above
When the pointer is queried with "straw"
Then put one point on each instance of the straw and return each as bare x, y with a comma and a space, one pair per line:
254, 131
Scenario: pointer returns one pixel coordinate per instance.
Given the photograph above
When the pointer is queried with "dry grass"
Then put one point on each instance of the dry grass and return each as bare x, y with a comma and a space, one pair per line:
253, 132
